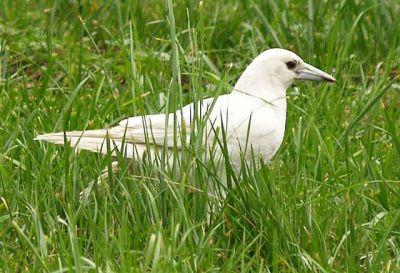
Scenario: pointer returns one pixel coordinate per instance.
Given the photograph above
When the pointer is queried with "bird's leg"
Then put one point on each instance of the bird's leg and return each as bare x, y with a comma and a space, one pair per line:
104, 176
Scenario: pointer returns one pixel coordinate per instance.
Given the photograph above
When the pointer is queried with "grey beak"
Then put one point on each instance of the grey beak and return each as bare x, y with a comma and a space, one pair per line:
309, 72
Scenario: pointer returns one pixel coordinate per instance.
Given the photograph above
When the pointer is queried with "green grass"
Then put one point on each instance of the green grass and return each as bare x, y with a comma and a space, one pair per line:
328, 202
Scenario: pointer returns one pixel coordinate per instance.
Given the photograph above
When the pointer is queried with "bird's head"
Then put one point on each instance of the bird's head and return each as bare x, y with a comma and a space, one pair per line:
286, 66
281, 67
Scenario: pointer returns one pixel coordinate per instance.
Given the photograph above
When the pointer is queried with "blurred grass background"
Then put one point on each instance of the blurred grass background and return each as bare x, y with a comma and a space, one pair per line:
328, 202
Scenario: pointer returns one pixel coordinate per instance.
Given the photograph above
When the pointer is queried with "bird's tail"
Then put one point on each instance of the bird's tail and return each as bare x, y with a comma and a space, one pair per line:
100, 141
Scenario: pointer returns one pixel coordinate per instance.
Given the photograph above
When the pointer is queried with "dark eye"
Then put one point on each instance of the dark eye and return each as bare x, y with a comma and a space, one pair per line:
291, 64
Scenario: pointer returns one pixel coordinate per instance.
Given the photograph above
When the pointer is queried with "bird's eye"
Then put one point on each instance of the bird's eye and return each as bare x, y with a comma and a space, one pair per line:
291, 64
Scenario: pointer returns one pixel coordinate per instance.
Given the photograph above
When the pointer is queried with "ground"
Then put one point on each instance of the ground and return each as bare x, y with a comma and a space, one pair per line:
328, 202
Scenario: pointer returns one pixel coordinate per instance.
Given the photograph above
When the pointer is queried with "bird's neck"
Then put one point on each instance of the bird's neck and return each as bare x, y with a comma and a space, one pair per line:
263, 87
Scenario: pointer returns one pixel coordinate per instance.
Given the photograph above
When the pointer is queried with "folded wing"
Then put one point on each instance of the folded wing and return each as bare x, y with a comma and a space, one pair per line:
131, 136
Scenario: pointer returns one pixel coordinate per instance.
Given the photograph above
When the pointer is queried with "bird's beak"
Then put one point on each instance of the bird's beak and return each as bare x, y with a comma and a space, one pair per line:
309, 72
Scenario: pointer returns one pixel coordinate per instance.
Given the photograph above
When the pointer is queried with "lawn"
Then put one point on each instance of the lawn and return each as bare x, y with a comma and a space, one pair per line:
329, 201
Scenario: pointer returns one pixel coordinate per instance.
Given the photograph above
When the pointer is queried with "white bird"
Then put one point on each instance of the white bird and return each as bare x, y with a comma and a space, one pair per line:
252, 116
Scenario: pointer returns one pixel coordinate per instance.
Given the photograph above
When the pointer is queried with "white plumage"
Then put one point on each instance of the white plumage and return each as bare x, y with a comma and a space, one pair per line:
252, 115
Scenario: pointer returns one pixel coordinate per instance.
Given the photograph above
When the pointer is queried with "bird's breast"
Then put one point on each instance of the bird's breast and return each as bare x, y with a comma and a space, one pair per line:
259, 133
251, 125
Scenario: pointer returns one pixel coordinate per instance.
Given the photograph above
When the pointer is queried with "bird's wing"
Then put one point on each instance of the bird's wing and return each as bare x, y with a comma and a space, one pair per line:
160, 129
137, 134
169, 130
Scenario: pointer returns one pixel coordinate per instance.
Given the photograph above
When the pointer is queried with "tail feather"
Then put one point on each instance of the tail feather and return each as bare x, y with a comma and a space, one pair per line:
95, 141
